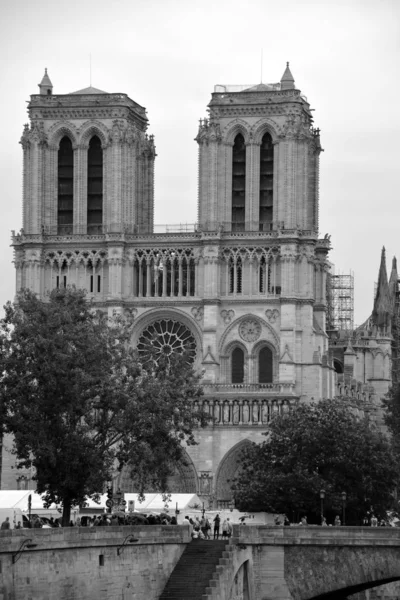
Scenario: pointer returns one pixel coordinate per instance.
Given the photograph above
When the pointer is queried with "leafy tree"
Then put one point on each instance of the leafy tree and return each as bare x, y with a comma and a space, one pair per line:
78, 401
318, 446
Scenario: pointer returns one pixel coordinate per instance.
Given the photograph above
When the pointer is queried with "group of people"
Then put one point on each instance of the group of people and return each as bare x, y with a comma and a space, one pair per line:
202, 528
104, 520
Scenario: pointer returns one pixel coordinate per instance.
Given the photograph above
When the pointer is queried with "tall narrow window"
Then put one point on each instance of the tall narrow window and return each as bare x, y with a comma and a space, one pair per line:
266, 182
238, 183
237, 366
95, 187
265, 365
65, 205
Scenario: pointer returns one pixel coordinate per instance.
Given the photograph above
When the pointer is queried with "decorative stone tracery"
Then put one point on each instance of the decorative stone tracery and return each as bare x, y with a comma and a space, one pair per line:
166, 337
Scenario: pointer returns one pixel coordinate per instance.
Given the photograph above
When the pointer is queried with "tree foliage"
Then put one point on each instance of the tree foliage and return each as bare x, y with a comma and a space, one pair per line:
78, 401
318, 446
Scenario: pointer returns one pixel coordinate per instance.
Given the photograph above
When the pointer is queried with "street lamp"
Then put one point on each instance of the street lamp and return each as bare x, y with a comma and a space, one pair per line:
344, 498
322, 496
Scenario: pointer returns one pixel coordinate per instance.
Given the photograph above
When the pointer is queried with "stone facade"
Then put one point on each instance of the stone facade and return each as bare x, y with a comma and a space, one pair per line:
246, 289
89, 563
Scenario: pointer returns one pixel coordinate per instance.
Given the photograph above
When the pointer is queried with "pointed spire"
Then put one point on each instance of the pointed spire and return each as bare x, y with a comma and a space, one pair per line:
393, 282
45, 86
287, 81
381, 315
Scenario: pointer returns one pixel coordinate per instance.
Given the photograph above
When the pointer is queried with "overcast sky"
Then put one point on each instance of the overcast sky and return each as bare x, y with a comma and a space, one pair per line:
168, 54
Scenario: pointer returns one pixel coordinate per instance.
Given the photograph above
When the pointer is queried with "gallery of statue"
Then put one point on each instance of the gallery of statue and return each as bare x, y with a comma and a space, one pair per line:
244, 291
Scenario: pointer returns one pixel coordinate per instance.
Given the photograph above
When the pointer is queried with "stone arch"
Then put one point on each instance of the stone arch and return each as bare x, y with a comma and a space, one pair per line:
273, 336
60, 130
262, 126
91, 128
258, 346
235, 127
184, 480
240, 586
236, 344
227, 470
167, 313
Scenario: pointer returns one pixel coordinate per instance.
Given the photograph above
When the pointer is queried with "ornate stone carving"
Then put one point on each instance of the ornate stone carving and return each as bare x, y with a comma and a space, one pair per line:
165, 337
197, 312
297, 126
25, 138
272, 314
250, 330
206, 483
227, 316
117, 132
209, 131
130, 315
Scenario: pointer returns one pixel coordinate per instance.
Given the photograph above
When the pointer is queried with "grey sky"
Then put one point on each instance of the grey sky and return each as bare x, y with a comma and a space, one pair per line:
167, 55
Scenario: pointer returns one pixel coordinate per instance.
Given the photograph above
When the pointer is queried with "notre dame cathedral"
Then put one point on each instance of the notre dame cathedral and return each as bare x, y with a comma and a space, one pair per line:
244, 292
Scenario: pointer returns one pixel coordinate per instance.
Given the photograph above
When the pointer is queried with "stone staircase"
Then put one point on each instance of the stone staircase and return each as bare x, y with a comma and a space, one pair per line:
196, 574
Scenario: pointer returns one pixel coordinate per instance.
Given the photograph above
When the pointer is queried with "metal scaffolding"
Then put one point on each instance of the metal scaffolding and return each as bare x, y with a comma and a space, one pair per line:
341, 301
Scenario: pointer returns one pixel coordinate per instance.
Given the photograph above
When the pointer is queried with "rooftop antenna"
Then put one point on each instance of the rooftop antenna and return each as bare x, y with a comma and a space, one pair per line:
261, 65
90, 68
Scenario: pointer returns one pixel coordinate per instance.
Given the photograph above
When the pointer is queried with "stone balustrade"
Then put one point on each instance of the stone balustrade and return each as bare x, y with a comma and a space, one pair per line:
246, 412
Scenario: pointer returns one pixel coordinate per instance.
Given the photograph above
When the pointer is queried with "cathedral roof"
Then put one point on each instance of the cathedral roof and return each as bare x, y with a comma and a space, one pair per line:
46, 80
287, 81
261, 87
287, 76
393, 282
89, 90
382, 305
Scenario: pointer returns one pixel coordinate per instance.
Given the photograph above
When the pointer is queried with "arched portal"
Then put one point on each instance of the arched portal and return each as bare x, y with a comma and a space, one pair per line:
240, 584
227, 471
183, 481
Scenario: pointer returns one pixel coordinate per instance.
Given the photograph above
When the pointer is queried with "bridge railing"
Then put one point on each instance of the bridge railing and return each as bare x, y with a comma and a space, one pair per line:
315, 535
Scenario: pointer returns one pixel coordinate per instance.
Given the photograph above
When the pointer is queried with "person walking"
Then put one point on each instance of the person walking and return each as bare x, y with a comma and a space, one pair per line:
6, 524
208, 528
230, 528
337, 522
225, 529
217, 522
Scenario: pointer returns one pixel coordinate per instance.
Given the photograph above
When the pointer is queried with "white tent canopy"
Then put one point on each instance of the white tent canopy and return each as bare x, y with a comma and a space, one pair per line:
155, 502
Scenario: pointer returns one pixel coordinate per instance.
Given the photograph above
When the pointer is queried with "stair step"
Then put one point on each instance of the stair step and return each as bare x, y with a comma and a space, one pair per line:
194, 575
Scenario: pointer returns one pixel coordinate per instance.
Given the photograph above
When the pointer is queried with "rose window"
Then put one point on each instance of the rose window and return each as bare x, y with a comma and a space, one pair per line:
166, 337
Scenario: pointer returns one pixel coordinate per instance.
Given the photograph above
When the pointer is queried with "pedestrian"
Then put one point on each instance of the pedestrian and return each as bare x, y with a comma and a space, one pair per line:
208, 529
19, 526
225, 528
217, 521
203, 526
303, 521
374, 521
230, 528
6, 524
286, 521
323, 522
337, 522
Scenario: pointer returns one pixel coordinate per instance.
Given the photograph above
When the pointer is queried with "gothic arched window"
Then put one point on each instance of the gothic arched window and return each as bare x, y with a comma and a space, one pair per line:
95, 186
265, 365
238, 183
266, 182
65, 198
237, 366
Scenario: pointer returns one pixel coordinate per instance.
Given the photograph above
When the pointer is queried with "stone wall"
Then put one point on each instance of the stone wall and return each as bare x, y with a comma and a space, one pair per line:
83, 563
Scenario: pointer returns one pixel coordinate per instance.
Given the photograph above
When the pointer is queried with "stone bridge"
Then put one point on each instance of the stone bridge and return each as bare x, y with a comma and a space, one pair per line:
303, 563
135, 563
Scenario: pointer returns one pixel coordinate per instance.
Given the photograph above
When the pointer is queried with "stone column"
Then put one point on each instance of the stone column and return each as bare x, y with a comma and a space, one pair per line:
80, 188
252, 186
226, 214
